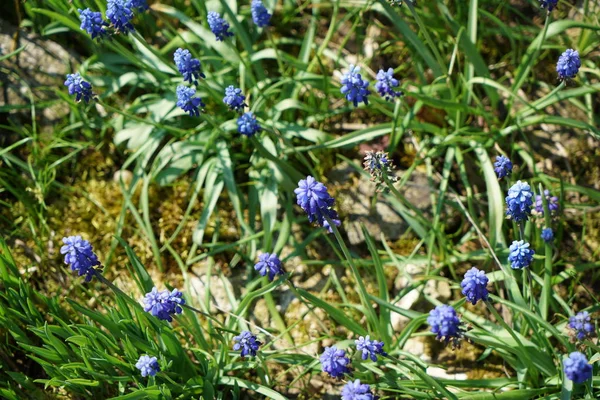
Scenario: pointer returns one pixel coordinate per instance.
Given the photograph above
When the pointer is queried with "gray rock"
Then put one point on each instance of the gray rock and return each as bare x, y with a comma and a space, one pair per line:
355, 201
35, 71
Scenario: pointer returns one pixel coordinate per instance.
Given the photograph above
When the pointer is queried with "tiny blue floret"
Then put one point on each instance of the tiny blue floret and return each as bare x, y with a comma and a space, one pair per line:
139, 5
148, 365
568, 64
474, 285
92, 23
334, 362
120, 14
234, 99
316, 202
519, 201
577, 368
385, 84
247, 343
248, 125
445, 323
260, 14
357, 391
80, 255
164, 304
581, 323
78, 87
187, 102
520, 256
218, 26
551, 200
503, 167
354, 87
547, 235
269, 265
548, 4
188, 66
369, 348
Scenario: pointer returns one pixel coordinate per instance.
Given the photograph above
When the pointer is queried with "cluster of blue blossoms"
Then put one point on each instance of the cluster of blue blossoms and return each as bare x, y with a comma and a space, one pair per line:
355, 88
314, 199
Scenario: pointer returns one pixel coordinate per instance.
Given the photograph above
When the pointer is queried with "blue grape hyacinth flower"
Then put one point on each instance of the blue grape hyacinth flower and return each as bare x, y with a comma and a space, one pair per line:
80, 255
78, 87
547, 235
120, 14
334, 362
474, 286
503, 167
247, 343
369, 348
316, 202
548, 4
269, 265
147, 366
248, 125
218, 26
92, 23
520, 256
445, 323
551, 200
581, 323
357, 391
354, 87
188, 66
386, 83
260, 14
164, 304
577, 368
568, 64
234, 99
139, 5
187, 102
519, 201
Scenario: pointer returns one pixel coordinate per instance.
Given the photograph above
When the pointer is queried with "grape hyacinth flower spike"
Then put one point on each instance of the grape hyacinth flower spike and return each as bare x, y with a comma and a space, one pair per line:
369, 348
379, 166
386, 83
269, 265
474, 286
503, 167
354, 87
92, 23
548, 4
260, 14
148, 366
334, 362
188, 66
520, 256
80, 255
547, 235
247, 343
248, 125
577, 368
581, 324
139, 5
218, 26
552, 202
445, 324
316, 202
164, 304
519, 201
357, 391
234, 99
568, 64
120, 14
78, 87
187, 102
